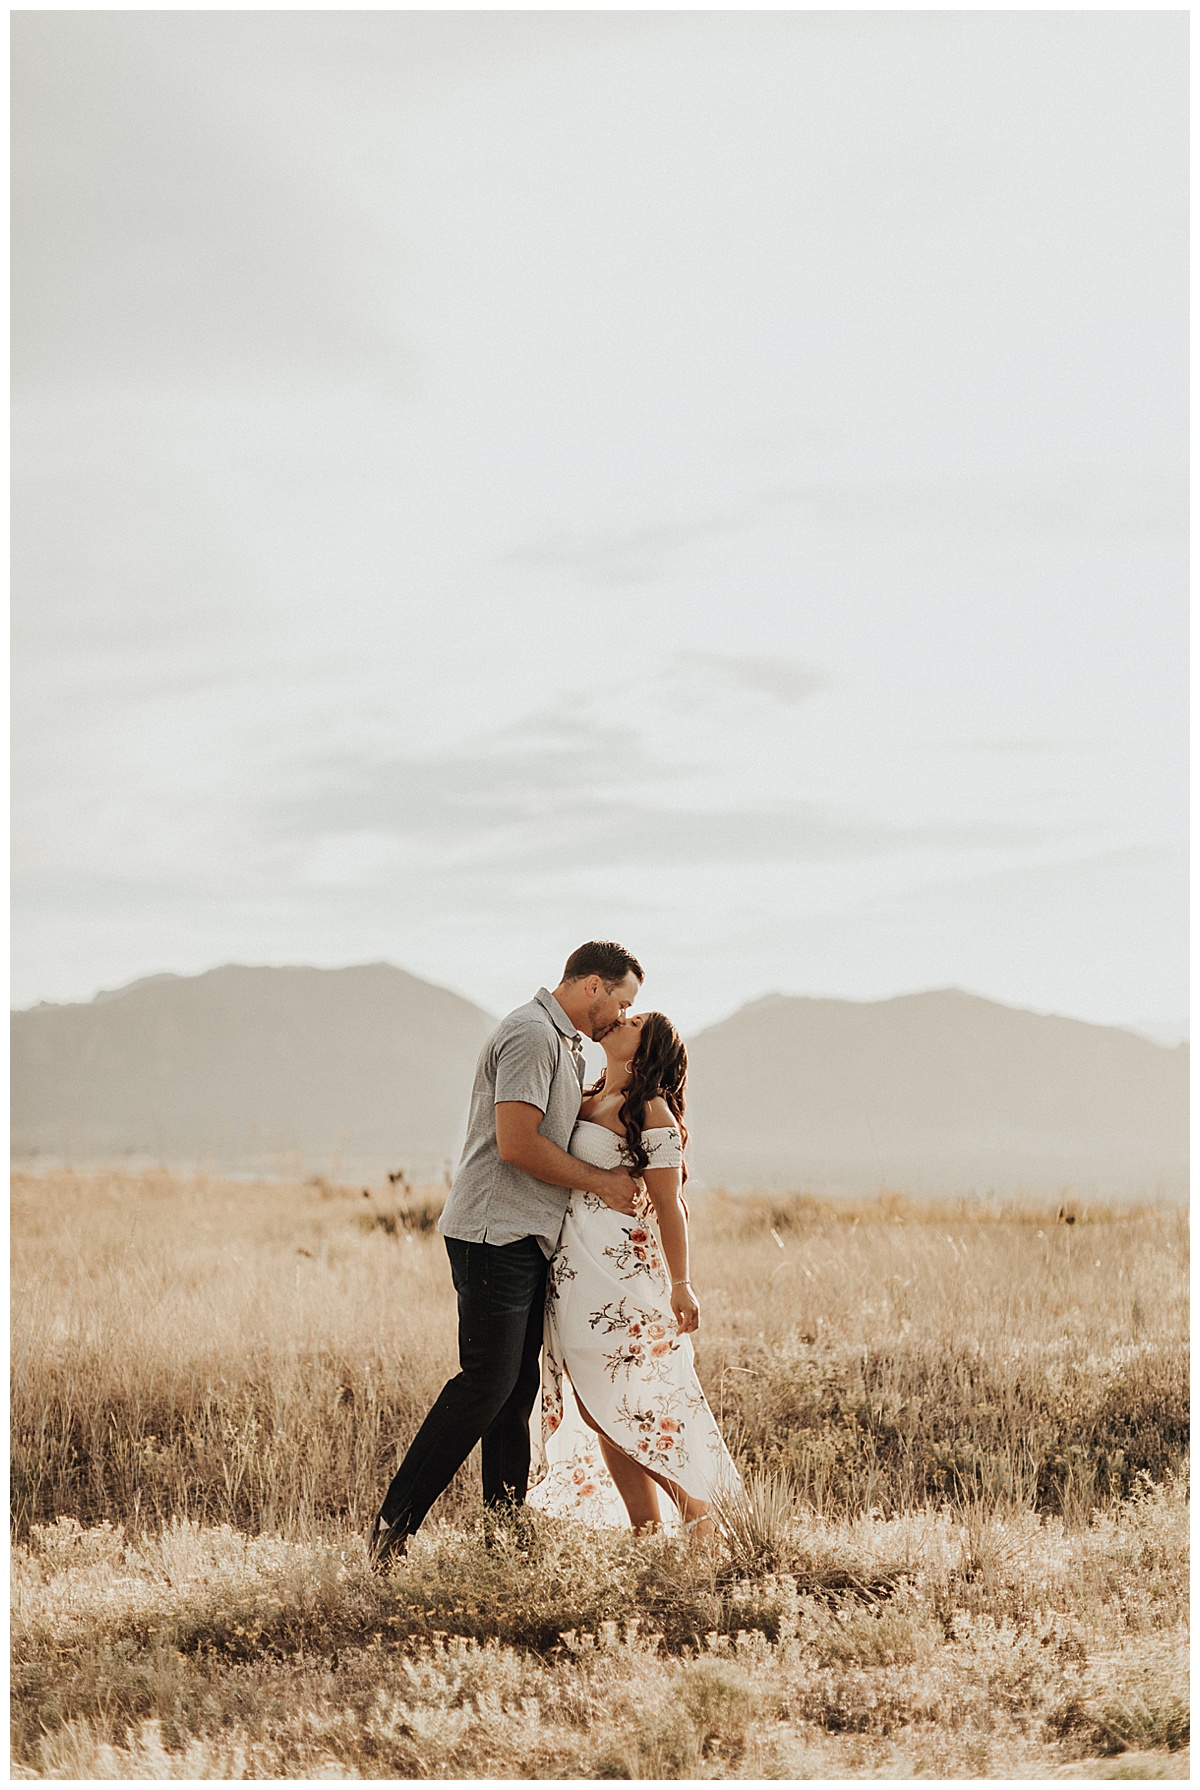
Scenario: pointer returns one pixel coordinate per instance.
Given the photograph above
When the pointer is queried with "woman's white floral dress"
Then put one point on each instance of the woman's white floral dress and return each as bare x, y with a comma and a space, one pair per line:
610, 1333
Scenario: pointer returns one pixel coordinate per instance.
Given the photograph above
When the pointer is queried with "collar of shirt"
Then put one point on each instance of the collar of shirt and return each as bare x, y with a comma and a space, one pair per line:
571, 1033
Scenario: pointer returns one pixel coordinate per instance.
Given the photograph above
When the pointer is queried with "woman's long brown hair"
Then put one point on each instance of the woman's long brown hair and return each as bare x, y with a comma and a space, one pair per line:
659, 1068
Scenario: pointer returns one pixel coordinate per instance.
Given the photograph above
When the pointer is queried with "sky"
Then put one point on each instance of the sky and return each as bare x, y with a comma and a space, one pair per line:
711, 480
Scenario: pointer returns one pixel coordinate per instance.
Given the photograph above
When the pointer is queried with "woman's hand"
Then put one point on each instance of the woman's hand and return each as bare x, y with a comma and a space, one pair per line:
685, 1307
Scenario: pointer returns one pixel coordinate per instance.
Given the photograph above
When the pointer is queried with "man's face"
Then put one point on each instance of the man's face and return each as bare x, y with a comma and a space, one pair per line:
608, 1006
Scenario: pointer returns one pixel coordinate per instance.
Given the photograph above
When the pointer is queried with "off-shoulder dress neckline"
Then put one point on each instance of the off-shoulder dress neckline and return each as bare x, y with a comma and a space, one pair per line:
650, 1129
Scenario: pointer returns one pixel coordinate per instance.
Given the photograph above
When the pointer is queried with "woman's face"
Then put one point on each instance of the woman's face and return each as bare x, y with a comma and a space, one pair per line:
620, 1045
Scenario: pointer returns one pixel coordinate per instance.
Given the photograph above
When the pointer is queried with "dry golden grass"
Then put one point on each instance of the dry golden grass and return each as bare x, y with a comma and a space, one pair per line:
964, 1553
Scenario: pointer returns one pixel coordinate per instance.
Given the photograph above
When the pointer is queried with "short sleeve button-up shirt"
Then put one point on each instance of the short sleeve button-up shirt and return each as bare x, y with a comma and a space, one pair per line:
535, 1055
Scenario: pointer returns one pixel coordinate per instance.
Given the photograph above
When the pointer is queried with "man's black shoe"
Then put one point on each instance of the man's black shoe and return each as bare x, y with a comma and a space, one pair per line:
386, 1543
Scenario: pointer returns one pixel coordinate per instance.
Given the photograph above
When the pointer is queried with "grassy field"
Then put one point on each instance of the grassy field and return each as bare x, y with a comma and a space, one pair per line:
964, 1429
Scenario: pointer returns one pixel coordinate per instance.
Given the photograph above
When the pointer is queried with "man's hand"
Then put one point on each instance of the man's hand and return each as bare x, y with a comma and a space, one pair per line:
619, 1188
520, 1142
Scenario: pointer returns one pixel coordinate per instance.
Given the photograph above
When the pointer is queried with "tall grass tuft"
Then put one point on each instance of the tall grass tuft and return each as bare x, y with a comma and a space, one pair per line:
758, 1523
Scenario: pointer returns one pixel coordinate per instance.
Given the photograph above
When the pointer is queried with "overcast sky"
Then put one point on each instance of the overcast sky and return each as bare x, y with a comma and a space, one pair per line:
713, 480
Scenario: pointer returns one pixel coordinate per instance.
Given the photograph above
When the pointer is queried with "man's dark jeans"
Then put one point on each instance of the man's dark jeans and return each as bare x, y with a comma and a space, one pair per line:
501, 1295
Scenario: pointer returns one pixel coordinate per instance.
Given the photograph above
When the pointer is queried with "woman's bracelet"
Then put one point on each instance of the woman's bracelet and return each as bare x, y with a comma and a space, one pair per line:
680, 1283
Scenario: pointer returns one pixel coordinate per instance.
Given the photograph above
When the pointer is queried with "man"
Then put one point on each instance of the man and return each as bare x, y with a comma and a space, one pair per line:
501, 1223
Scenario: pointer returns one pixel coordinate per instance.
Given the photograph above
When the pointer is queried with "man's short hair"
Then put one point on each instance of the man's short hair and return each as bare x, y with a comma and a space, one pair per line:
612, 963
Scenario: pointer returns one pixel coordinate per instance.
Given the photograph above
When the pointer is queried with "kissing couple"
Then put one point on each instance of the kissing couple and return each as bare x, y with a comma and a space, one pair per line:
567, 1235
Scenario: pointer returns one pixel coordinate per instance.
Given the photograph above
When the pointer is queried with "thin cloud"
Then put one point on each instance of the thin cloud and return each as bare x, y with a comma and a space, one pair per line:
1087, 503
550, 807
801, 833
630, 556
538, 766
1014, 745
787, 681
1080, 502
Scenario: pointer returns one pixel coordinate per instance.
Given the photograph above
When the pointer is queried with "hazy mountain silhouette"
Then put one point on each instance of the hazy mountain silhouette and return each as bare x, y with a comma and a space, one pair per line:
362, 1069
936, 1092
334, 1068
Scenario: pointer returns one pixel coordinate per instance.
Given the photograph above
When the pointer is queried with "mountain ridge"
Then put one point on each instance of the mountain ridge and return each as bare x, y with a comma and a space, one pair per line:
368, 1066
937, 1091
248, 1065
775, 997
771, 998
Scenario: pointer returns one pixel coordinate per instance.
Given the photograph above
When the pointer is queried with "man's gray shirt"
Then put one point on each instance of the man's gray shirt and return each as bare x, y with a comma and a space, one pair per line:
534, 1055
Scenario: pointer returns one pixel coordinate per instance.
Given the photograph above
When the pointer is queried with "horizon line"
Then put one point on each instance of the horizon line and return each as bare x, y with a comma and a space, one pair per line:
1133, 1027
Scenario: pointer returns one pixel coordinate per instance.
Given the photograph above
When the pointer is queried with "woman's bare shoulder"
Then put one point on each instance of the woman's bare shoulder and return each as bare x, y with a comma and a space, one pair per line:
658, 1113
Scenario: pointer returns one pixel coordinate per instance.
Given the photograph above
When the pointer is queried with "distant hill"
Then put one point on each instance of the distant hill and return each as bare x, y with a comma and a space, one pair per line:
357, 1070
351, 1070
937, 1092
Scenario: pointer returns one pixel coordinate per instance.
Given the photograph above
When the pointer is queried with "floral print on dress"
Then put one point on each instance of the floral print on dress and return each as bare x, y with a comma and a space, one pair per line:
635, 1357
560, 1270
611, 1346
638, 1251
661, 1438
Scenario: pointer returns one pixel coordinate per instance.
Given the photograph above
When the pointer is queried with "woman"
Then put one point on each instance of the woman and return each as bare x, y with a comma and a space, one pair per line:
623, 1414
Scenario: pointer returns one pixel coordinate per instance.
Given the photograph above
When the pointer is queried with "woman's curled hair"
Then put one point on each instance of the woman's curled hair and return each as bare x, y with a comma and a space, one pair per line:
658, 1069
